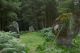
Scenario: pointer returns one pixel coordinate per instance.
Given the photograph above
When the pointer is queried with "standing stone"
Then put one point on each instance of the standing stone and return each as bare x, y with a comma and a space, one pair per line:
31, 28
14, 27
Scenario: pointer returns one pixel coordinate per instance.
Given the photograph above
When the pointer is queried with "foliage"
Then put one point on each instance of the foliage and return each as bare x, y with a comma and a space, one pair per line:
64, 17
65, 6
35, 11
15, 34
10, 44
8, 12
48, 34
52, 47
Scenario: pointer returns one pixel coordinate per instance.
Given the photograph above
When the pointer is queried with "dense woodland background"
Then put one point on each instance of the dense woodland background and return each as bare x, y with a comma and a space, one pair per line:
39, 13
52, 22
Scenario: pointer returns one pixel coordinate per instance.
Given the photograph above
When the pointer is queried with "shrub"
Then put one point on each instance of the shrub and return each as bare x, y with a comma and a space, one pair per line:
52, 47
17, 35
10, 44
48, 34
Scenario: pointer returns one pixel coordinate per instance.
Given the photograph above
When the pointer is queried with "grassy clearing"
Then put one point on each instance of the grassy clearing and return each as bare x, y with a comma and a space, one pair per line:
32, 40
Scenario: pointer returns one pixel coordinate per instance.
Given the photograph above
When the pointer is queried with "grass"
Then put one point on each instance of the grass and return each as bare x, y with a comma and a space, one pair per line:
32, 40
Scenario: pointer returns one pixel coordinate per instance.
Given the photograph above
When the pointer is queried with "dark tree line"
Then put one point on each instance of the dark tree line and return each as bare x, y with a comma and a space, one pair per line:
39, 13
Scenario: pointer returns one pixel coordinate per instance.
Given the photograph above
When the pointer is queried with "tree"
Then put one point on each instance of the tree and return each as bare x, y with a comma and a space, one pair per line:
40, 13
67, 29
76, 13
8, 12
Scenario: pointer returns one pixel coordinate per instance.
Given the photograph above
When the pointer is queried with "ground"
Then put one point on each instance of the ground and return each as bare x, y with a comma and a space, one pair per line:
32, 40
